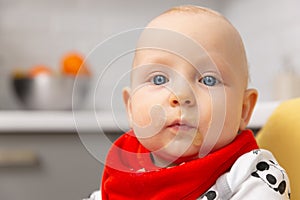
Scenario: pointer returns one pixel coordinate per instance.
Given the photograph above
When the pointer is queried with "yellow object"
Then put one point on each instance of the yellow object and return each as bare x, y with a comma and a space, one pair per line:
19, 73
281, 135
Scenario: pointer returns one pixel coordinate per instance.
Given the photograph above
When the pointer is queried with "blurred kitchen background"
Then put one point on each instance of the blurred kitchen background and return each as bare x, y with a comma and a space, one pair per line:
41, 155
40, 32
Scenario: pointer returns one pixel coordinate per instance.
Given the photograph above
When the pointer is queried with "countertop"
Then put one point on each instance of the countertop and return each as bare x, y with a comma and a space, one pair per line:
91, 121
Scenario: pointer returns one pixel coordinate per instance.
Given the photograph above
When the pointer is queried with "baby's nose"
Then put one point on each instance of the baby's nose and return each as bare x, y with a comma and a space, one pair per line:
181, 100
181, 91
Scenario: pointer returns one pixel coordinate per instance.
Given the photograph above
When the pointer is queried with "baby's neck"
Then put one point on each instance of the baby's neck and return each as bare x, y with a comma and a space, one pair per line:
159, 162
163, 163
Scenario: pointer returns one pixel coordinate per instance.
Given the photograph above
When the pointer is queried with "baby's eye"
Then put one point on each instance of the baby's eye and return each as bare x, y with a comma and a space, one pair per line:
209, 81
159, 79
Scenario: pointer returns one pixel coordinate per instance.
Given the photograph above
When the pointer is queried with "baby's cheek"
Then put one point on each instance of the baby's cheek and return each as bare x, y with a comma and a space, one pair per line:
148, 120
141, 115
147, 108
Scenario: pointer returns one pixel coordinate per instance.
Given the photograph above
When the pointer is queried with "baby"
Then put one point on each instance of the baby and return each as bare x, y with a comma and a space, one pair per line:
188, 106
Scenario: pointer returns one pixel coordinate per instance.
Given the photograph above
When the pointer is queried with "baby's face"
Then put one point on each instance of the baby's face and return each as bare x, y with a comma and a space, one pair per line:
185, 102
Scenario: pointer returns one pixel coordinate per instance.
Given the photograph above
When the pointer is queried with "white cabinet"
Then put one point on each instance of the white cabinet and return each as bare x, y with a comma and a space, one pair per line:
43, 158
65, 170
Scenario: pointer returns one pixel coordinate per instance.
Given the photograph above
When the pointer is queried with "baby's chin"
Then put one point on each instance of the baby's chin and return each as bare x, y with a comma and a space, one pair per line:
166, 159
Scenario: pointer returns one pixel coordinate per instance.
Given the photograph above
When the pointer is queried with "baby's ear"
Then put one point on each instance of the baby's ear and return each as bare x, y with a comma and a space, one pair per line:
250, 98
127, 102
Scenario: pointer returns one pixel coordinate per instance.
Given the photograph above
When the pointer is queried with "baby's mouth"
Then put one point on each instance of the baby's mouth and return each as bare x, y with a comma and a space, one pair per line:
181, 125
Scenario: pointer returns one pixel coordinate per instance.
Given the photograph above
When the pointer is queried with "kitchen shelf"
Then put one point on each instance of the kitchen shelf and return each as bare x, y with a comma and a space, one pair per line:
61, 121
90, 121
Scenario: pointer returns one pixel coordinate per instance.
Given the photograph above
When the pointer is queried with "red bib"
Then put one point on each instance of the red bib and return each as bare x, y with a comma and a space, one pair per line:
129, 172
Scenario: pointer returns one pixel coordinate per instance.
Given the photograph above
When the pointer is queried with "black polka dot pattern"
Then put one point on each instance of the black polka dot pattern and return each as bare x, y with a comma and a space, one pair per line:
264, 172
281, 188
271, 179
210, 195
261, 166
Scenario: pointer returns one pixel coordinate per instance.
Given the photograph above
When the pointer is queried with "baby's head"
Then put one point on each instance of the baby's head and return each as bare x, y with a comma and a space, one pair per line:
188, 92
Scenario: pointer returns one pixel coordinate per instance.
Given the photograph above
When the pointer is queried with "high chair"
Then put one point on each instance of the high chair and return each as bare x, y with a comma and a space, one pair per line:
281, 135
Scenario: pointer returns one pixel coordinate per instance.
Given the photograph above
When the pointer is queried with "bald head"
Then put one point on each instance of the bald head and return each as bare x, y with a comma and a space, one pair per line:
210, 30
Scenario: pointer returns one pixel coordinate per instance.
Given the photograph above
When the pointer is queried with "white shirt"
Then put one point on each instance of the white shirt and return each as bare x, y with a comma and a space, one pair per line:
255, 175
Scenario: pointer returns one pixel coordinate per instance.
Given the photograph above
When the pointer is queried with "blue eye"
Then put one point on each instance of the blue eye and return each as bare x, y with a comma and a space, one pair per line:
209, 81
159, 80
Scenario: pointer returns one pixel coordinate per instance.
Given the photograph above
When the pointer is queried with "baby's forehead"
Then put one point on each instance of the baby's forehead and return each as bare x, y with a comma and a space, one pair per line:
156, 56
151, 60
205, 29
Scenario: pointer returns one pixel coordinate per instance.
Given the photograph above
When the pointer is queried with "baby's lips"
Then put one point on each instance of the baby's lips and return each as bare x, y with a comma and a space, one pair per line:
184, 124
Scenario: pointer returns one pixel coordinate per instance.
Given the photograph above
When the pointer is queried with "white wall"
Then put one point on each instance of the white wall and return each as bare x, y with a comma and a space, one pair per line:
271, 31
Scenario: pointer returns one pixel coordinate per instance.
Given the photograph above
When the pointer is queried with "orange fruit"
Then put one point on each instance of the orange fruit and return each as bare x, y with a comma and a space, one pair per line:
39, 70
73, 64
